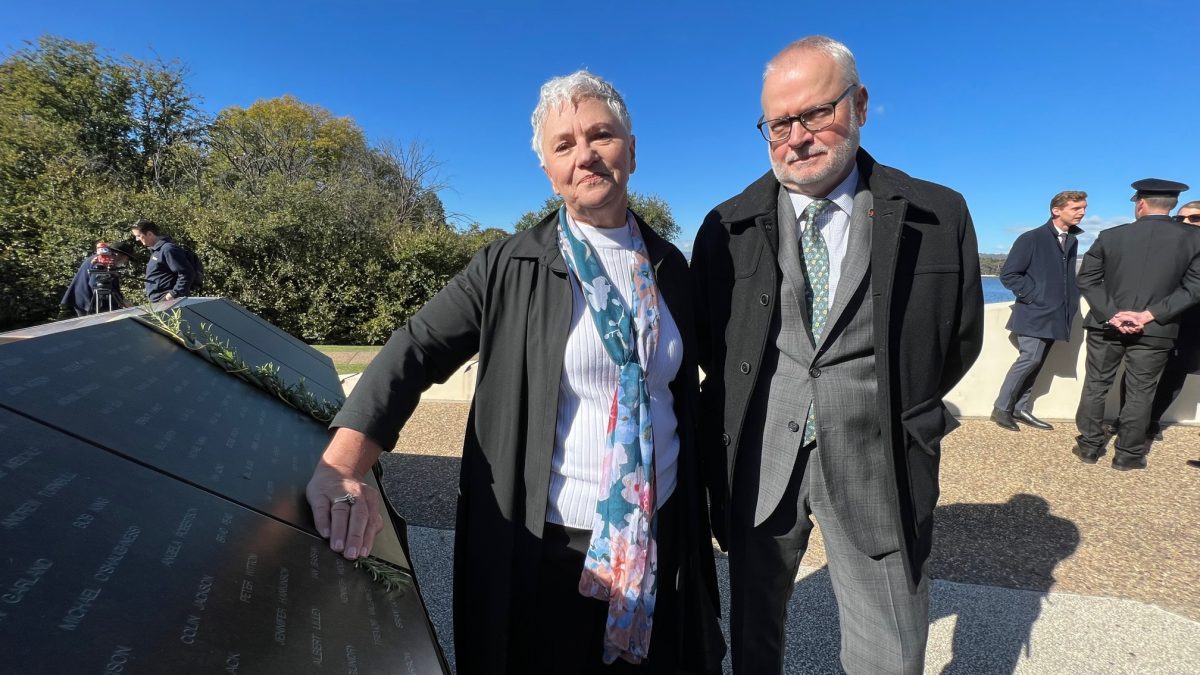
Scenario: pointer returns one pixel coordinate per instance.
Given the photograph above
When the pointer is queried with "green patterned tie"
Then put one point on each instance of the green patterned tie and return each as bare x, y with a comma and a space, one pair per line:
816, 294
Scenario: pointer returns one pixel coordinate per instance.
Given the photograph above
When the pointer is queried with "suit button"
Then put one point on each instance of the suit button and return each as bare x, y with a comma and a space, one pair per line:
814, 372
745, 368
793, 427
725, 439
764, 299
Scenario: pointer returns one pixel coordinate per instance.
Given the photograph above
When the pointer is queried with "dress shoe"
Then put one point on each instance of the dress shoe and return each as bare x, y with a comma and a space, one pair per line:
1004, 419
1086, 456
1129, 462
1026, 417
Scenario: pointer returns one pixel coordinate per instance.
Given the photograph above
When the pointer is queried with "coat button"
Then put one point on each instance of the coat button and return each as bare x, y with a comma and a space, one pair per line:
745, 368
793, 427
814, 372
764, 299
725, 439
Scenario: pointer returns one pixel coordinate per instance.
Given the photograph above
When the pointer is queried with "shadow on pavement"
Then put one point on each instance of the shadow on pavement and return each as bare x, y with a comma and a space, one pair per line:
1016, 544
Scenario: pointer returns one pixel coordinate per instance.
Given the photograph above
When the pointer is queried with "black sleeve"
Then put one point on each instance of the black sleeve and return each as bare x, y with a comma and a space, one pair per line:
434, 343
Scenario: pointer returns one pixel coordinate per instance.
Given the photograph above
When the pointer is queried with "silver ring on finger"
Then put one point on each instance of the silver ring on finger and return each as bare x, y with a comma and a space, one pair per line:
347, 498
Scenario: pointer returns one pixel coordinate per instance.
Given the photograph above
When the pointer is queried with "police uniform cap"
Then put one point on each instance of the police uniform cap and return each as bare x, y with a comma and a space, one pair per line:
1156, 187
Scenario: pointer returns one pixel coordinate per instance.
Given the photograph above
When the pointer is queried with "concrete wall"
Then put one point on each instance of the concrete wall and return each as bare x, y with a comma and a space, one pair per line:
1056, 392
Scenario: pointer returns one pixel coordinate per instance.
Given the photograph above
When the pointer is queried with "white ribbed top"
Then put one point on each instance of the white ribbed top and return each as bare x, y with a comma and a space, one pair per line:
589, 378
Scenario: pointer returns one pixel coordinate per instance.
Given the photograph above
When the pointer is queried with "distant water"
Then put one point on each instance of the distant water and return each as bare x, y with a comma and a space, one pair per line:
994, 291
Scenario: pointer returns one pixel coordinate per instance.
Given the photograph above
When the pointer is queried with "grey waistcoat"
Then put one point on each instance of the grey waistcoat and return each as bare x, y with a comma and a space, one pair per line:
838, 373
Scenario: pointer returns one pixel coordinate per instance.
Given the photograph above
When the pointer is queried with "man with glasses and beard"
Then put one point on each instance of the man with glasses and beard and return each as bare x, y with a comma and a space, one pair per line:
838, 301
1138, 279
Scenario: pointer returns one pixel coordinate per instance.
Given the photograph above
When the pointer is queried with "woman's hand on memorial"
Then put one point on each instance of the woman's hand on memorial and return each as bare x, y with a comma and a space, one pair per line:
346, 510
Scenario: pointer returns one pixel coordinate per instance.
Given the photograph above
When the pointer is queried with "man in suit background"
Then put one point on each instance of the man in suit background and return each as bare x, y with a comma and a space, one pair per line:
839, 300
1040, 271
1138, 279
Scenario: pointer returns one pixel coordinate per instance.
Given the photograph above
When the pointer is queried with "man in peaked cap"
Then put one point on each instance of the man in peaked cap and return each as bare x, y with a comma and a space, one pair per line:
1137, 278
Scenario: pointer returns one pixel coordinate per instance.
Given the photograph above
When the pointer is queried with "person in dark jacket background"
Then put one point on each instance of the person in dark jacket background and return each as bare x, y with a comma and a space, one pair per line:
1139, 279
97, 285
1040, 271
171, 272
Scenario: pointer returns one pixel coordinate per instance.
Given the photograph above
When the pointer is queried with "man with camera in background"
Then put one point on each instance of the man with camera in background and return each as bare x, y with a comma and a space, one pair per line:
97, 285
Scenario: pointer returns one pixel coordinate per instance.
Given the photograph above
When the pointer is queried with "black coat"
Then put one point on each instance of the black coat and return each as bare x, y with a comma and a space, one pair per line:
512, 305
927, 306
1042, 278
1150, 264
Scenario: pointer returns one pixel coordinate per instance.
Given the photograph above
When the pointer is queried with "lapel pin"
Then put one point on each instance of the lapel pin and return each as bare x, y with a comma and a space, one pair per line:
870, 213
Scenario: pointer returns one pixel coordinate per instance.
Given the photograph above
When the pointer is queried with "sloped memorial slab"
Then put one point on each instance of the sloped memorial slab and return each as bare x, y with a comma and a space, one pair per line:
110, 566
188, 473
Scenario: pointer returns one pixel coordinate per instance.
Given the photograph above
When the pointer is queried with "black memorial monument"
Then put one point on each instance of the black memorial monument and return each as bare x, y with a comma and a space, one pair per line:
153, 516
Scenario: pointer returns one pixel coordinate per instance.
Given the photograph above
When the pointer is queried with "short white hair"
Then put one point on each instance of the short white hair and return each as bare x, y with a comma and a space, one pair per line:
835, 50
578, 86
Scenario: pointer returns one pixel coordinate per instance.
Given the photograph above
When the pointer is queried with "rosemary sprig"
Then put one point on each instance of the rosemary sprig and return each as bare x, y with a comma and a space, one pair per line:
220, 353
381, 572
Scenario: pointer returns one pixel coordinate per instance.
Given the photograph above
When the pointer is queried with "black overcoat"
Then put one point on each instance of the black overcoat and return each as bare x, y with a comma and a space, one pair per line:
512, 305
1150, 264
927, 316
1041, 277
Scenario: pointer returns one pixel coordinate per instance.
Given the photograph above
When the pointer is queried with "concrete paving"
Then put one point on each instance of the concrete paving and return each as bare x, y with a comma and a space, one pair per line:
974, 629
1041, 564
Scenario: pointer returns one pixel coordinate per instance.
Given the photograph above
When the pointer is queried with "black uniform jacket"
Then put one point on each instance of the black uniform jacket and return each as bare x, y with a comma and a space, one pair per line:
927, 305
512, 305
1042, 278
1151, 264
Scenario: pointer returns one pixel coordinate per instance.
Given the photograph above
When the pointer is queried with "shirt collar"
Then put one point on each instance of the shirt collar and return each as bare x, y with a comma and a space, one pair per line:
842, 195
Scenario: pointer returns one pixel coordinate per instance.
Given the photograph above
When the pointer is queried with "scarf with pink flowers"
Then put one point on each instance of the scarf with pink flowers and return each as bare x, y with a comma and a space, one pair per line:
621, 566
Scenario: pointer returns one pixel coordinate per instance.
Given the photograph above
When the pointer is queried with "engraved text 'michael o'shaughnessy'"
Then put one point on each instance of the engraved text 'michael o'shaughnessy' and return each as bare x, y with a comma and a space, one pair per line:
108, 568
79, 609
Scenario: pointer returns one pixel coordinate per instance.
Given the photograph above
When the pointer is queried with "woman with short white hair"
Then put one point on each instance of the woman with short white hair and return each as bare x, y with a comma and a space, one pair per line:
582, 542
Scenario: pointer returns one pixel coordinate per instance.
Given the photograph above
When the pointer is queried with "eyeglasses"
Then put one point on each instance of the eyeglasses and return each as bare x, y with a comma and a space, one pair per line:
1193, 218
813, 119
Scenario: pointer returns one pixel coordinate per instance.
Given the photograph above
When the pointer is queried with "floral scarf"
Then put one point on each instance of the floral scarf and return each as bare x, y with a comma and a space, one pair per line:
621, 566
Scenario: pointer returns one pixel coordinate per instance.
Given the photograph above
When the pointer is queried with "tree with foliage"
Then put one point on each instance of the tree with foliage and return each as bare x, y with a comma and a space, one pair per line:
651, 208
294, 213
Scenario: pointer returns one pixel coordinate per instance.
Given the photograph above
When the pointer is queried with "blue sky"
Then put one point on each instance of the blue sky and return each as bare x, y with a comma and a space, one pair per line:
1006, 102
